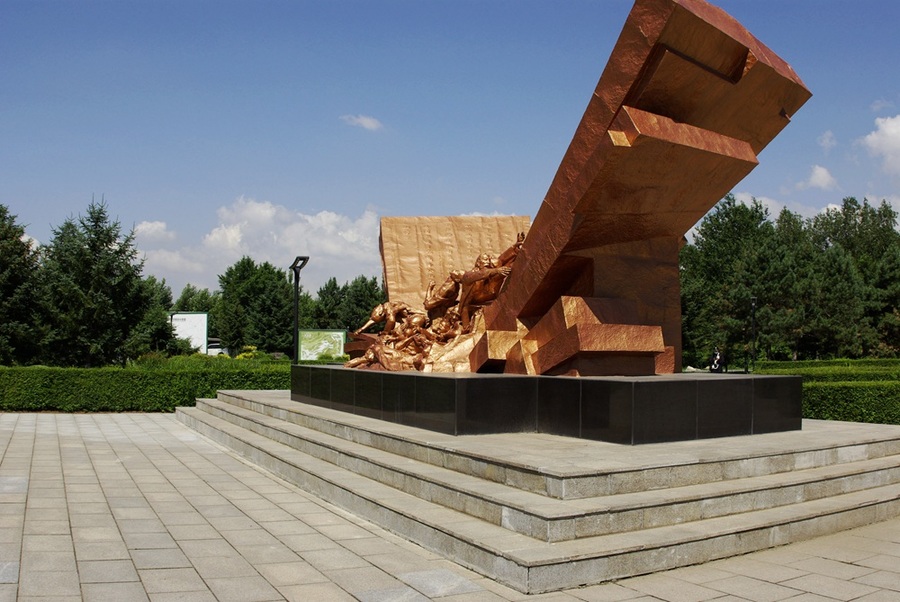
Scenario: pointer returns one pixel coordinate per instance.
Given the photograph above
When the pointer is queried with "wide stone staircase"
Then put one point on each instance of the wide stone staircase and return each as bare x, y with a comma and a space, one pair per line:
541, 512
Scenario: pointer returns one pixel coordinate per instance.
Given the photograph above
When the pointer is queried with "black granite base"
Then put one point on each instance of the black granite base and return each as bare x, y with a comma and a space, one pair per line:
630, 410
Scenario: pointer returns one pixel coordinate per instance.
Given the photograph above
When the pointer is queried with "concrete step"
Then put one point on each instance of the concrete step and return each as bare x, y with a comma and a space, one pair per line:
531, 565
568, 468
551, 519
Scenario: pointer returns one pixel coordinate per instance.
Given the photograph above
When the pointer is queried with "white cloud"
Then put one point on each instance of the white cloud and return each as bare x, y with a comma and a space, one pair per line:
819, 177
153, 232
339, 246
363, 121
881, 104
884, 142
827, 141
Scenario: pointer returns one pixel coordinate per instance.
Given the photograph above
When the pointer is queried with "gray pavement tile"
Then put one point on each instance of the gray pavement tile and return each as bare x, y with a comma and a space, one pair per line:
149, 541
829, 587
342, 532
37, 527
749, 566
291, 573
397, 594
141, 525
114, 592
307, 542
88, 534
207, 547
159, 559
756, 590
9, 572
333, 559
605, 592
107, 571
832, 568
250, 537
49, 561
882, 579
211, 567
267, 554
183, 597
439, 582
8, 593
183, 532
49, 583
88, 508
320, 592
243, 589
47, 543
171, 580
104, 550
362, 579
182, 517
671, 589
881, 562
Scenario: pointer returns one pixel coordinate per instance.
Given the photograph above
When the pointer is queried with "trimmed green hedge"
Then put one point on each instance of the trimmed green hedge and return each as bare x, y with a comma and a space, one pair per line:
877, 402
866, 390
37, 389
836, 373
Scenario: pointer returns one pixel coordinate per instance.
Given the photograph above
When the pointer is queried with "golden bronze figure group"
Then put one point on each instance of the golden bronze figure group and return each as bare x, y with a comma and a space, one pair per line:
412, 338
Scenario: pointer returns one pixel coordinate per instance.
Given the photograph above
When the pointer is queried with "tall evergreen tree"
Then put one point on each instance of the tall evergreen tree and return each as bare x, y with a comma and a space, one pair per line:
19, 322
93, 292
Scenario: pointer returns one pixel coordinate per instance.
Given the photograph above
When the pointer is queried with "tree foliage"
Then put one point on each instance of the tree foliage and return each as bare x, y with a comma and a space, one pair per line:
824, 287
93, 292
19, 322
256, 307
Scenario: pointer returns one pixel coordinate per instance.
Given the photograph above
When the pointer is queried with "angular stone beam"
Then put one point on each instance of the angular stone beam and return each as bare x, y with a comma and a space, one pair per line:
686, 102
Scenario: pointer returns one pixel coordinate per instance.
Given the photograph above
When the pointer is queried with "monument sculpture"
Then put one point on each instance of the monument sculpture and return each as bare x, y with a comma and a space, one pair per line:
475, 338
687, 101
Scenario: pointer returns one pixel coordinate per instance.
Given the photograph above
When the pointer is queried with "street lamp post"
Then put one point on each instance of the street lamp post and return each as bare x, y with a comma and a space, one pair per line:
753, 334
299, 263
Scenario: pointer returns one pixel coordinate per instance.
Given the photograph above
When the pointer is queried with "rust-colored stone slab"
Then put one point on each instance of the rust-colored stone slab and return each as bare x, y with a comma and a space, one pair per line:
687, 101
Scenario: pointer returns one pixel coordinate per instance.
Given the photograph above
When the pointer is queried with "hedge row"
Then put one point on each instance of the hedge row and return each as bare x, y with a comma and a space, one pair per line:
37, 389
877, 402
840, 373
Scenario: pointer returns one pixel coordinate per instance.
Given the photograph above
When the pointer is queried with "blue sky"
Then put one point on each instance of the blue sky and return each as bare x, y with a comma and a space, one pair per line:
222, 128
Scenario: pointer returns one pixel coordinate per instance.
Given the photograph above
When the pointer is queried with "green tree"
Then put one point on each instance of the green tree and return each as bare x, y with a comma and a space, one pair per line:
19, 322
256, 307
154, 333
328, 305
93, 295
200, 300
358, 299
719, 275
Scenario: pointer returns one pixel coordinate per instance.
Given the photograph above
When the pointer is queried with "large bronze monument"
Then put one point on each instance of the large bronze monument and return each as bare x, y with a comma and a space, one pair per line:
685, 104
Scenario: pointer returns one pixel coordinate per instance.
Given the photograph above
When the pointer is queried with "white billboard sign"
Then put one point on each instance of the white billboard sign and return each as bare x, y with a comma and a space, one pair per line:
192, 326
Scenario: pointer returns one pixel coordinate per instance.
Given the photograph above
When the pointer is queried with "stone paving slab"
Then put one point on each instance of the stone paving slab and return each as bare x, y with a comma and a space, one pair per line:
128, 507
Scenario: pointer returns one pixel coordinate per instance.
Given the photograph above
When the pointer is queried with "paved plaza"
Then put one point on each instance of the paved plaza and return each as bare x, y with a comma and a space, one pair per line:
123, 507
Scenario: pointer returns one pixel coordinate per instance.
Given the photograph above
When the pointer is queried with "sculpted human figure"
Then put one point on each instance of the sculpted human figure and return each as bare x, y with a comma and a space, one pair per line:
439, 300
482, 283
391, 313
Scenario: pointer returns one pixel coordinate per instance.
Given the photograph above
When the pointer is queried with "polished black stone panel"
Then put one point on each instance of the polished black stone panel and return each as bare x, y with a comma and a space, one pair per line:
300, 376
627, 410
368, 391
496, 404
664, 410
607, 410
559, 410
320, 385
435, 403
724, 407
343, 390
777, 404
398, 395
